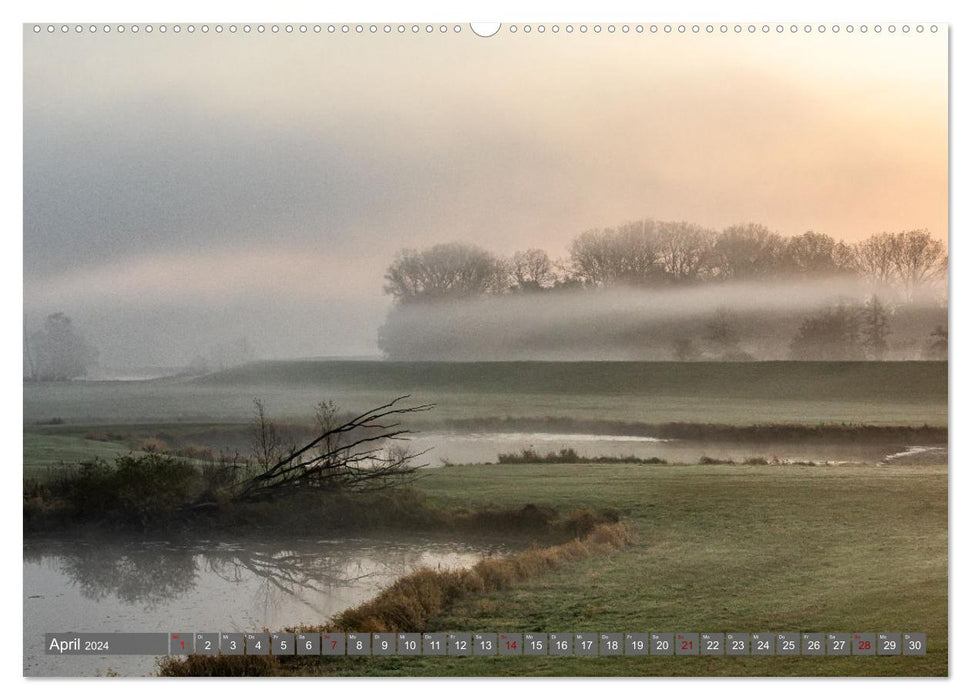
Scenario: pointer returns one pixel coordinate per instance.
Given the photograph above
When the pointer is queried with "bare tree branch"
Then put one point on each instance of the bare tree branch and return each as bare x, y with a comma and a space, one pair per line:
367, 461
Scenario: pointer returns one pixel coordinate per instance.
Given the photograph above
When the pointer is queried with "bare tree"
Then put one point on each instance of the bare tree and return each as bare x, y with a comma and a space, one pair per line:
532, 270
362, 459
444, 271
918, 259
326, 420
267, 440
747, 251
625, 255
591, 257
814, 254
876, 258
684, 250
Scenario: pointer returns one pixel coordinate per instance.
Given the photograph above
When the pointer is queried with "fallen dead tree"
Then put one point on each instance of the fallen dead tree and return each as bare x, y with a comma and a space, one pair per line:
361, 454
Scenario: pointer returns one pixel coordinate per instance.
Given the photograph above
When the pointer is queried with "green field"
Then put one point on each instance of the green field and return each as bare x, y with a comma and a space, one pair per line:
884, 393
848, 547
45, 450
717, 549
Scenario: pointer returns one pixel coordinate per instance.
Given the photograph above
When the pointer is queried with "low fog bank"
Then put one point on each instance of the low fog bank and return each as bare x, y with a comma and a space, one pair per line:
833, 319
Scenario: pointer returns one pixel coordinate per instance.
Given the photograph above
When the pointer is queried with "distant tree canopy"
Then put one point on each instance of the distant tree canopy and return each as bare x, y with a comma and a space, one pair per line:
444, 271
651, 253
57, 352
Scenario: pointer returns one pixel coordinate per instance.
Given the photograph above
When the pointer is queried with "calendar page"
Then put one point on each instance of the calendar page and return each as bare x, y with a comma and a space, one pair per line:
423, 348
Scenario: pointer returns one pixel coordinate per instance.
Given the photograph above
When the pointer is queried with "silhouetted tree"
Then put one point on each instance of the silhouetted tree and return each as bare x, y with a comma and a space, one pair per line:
937, 347
684, 250
268, 441
532, 270
444, 271
816, 254
721, 334
832, 334
59, 352
747, 251
918, 258
875, 258
629, 254
874, 328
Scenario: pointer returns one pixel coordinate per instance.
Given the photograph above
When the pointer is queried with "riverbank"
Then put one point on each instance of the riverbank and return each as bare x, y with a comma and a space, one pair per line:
714, 548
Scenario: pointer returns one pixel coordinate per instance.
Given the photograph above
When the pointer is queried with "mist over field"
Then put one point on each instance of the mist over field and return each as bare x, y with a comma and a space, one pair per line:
624, 323
198, 210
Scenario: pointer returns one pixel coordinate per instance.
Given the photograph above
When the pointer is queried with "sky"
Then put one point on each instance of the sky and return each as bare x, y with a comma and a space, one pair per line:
182, 191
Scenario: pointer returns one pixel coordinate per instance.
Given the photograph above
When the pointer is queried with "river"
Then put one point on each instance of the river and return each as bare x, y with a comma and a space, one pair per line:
206, 586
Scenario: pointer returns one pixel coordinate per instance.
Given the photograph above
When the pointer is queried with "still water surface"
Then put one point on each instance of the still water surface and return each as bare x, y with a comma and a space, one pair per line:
206, 586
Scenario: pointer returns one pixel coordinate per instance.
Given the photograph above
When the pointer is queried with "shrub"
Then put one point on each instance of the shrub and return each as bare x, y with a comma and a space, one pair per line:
136, 489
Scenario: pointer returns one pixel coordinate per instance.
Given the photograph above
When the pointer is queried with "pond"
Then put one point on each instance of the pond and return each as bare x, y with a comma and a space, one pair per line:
206, 586
471, 447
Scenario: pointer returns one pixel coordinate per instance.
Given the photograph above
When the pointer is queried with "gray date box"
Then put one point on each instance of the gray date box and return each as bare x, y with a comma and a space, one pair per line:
561, 644
762, 644
838, 643
180, 643
333, 644
536, 644
813, 644
611, 643
358, 643
787, 644
383, 643
637, 644
434, 643
257, 644
585, 644
231, 643
409, 644
888, 644
485, 644
686, 644
510, 644
915, 644
282, 644
738, 644
308, 644
662, 643
711, 644
459, 643
207, 643
864, 644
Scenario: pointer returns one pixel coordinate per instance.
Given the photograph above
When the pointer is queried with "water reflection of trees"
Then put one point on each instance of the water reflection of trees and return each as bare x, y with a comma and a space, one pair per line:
149, 574
284, 574
145, 575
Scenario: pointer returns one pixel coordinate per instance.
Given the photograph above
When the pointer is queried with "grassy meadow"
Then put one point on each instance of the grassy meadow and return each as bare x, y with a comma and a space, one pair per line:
879, 393
716, 548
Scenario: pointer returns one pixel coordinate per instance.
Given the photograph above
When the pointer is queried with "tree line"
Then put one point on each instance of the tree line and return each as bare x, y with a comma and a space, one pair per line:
649, 253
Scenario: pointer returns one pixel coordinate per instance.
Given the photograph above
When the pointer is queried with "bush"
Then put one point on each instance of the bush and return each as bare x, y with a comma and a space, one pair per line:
569, 456
715, 460
136, 489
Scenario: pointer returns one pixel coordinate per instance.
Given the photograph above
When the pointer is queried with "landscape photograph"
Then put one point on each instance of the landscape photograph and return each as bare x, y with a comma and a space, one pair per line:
396, 330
